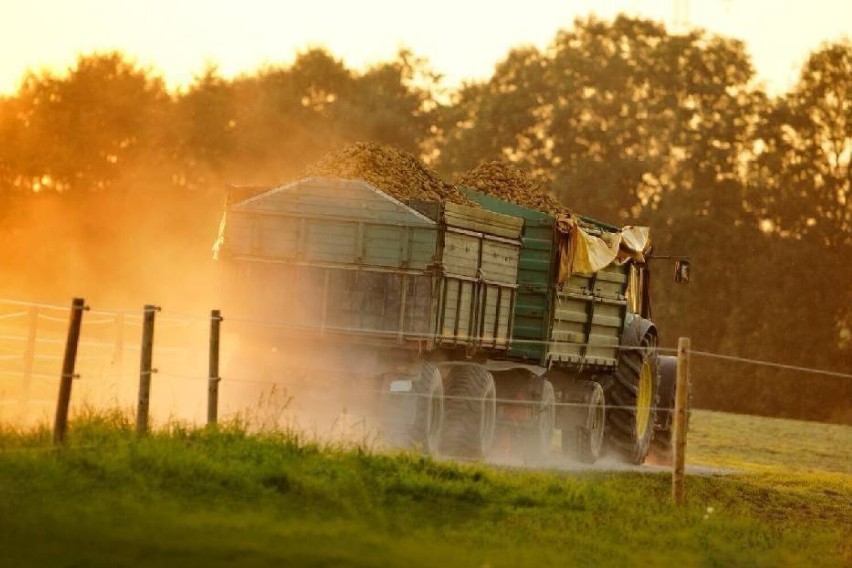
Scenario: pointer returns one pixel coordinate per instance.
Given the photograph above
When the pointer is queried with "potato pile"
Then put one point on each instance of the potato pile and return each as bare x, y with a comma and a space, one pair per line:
507, 182
395, 172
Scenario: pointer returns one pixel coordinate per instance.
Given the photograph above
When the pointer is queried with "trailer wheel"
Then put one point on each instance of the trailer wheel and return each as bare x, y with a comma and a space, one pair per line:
545, 420
526, 412
416, 416
661, 445
469, 410
632, 397
582, 421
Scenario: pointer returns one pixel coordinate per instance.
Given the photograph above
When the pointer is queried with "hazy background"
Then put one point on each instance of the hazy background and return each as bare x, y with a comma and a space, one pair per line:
112, 175
463, 40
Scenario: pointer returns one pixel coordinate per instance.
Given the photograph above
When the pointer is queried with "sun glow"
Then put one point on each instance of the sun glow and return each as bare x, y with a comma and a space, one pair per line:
461, 40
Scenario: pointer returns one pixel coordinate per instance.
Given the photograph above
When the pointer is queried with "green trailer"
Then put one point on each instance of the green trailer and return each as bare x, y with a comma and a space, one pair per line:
454, 314
587, 344
412, 296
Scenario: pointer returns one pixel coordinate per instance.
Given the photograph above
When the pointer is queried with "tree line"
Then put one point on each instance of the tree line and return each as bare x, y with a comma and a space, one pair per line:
621, 119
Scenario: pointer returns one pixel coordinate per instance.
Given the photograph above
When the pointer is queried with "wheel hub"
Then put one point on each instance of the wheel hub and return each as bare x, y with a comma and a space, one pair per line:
643, 400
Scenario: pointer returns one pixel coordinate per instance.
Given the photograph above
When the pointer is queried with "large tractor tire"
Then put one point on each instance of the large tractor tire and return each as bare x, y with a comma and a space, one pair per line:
527, 412
470, 410
661, 445
632, 392
582, 421
415, 413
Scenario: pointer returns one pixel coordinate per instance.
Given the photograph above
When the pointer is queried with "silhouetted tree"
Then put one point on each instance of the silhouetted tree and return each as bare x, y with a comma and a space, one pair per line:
502, 118
800, 192
85, 130
802, 186
621, 119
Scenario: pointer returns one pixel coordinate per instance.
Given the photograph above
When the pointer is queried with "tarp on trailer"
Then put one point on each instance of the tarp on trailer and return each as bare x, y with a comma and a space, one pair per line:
584, 253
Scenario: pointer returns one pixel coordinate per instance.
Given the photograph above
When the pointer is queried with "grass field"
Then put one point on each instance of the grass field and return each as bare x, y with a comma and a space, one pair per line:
184, 497
769, 444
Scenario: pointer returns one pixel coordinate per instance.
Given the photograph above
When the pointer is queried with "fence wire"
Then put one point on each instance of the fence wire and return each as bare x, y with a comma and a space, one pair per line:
184, 320
52, 318
12, 315
107, 369
770, 364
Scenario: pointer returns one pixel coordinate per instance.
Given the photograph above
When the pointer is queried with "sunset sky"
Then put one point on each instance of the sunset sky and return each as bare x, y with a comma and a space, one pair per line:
461, 39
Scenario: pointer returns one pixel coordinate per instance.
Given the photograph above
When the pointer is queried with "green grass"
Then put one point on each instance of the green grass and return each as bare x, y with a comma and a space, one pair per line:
185, 497
768, 444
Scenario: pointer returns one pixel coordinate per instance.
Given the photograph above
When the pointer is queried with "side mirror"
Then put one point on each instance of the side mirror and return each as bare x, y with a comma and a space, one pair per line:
682, 271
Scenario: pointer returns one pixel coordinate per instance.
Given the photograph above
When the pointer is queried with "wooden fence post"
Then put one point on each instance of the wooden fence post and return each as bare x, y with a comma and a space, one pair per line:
69, 362
145, 369
213, 381
680, 420
29, 362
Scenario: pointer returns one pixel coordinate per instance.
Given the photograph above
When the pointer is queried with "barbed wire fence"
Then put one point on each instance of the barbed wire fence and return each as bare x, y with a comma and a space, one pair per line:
32, 339
108, 372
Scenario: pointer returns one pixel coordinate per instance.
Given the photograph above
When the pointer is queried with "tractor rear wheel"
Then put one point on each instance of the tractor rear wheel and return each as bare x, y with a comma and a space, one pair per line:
631, 398
661, 445
470, 410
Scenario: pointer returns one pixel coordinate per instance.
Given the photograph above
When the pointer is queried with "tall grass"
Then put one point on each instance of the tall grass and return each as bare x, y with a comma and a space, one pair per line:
234, 495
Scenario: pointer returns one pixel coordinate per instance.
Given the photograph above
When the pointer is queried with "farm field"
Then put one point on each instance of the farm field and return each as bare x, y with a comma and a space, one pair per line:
186, 497
780, 445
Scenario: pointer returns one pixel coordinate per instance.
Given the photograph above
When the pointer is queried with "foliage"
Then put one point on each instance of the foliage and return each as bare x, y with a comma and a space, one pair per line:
84, 131
267, 127
802, 182
630, 122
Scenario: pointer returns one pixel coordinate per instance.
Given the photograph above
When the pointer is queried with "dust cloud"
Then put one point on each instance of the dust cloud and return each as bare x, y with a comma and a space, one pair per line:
122, 250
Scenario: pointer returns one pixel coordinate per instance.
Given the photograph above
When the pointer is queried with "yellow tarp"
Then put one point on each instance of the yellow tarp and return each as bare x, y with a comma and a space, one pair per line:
635, 242
580, 252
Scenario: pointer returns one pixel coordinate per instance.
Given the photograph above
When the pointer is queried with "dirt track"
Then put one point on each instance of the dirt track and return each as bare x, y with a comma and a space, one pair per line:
557, 463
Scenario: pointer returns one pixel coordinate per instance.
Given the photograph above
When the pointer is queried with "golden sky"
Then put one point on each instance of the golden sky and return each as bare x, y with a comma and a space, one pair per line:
461, 38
